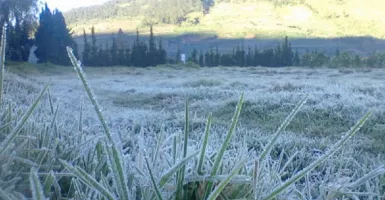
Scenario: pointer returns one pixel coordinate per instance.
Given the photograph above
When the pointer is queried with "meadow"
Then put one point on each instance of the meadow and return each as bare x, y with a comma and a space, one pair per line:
145, 110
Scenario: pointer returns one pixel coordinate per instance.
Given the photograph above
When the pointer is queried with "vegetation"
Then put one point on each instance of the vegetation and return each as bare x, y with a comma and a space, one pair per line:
21, 14
143, 54
140, 54
52, 37
237, 18
50, 155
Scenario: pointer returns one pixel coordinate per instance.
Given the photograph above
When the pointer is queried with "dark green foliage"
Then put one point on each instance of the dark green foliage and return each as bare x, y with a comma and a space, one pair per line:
18, 43
194, 56
177, 56
140, 55
86, 55
201, 59
52, 37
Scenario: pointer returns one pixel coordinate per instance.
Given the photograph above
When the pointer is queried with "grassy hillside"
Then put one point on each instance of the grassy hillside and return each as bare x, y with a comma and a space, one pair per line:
301, 18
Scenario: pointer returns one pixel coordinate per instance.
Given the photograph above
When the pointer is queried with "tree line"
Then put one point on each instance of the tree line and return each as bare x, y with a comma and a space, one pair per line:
281, 56
141, 53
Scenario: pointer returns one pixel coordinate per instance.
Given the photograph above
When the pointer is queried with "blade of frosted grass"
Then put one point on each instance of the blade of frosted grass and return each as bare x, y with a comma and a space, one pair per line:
157, 191
9, 117
88, 180
282, 127
91, 96
36, 187
321, 159
2, 60
49, 181
180, 174
116, 162
5, 126
117, 168
221, 186
174, 150
81, 118
50, 101
166, 176
5, 195
7, 142
204, 145
225, 144
375, 173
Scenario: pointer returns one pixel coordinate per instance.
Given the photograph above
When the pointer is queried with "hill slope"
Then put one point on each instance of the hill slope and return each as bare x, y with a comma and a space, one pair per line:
237, 18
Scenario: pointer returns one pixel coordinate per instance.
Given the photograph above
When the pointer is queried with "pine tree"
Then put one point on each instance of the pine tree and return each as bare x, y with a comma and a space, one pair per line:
152, 51
162, 54
43, 35
94, 48
135, 59
177, 56
201, 59
296, 59
61, 38
114, 53
249, 57
52, 38
127, 55
194, 56
217, 57
86, 55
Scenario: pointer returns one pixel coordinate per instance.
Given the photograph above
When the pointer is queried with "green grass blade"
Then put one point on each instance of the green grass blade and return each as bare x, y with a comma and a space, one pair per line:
2, 60
8, 141
156, 188
317, 162
36, 187
204, 145
174, 149
166, 176
5, 195
221, 186
282, 127
88, 90
81, 118
5, 126
88, 180
49, 181
225, 144
180, 174
118, 171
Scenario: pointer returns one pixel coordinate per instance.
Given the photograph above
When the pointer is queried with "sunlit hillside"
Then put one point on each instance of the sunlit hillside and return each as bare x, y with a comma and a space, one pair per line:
239, 19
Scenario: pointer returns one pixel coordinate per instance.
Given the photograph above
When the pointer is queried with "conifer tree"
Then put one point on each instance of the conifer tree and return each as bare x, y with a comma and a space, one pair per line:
296, 59
94, 48
201, 59
43, 36
152, 54
86, 55
162, 54
217, 57
52, 38
177, 56
194, 55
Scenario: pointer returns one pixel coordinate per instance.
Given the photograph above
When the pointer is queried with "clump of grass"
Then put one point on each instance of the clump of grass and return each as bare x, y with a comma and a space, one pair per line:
203, 83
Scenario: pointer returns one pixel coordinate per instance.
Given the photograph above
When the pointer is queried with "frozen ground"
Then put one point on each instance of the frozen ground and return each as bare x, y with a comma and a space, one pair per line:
132, 97
146, 105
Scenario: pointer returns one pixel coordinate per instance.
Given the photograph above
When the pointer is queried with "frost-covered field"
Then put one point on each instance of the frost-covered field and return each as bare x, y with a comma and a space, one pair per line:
156, 96
143, 106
